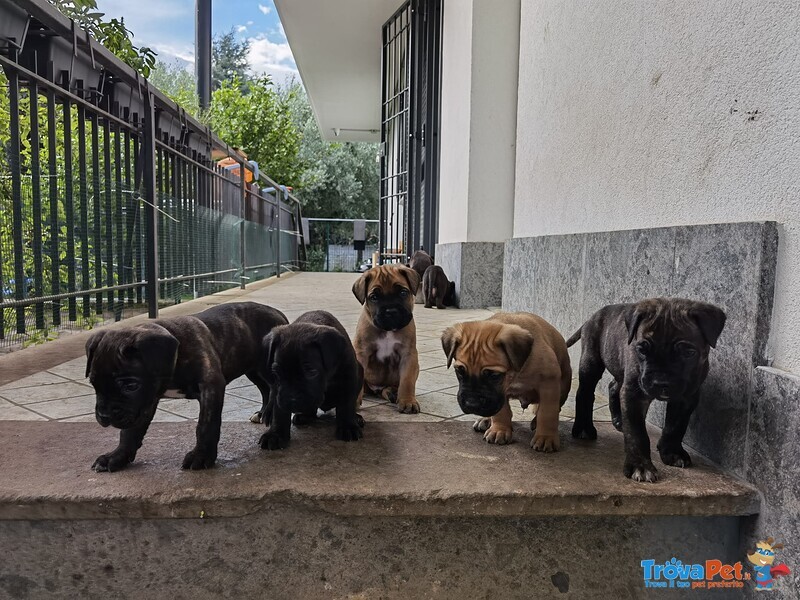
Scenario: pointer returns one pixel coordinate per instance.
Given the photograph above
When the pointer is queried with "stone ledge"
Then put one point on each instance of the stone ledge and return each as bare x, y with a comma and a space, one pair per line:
399, 469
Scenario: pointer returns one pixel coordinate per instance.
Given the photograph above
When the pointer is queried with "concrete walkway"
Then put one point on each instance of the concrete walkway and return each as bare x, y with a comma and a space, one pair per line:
61, 393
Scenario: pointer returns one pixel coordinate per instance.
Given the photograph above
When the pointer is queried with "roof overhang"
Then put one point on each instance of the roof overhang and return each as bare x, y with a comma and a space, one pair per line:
337, 48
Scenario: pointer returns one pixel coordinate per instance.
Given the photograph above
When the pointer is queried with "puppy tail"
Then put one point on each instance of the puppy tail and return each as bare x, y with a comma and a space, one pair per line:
574, 337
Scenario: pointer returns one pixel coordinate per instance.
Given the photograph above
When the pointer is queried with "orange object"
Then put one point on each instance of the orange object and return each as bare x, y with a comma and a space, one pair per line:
230, 164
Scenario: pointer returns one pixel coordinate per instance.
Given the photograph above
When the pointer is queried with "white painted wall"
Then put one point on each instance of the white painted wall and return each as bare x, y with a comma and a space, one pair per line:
639, 114
480, 52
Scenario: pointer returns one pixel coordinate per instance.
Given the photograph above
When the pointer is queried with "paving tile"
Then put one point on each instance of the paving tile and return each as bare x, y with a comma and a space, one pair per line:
37, 379
432, 382
233, 403
183, 407
438, 404
41, 393
240, 382
79, 419
73, 369
19, 413
165, 417
240, 415
250, 392
65, 407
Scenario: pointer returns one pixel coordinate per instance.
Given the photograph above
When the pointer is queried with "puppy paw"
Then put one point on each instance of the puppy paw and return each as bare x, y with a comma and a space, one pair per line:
545, 443
199, 459
498, 435
300, 419
256, 417
389, 394
641, 472
350, 432
482, 424
113, 461
273, 440
360, 420
617, 423
584, 431
408, 405
675, 457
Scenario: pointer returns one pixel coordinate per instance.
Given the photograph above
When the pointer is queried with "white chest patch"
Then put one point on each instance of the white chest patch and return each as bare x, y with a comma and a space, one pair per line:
385, 346
174, 394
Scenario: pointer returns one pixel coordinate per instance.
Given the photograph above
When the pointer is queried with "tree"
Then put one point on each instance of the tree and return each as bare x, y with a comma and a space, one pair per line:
260, 124
177, 83
340, 180
112, 34
229, 60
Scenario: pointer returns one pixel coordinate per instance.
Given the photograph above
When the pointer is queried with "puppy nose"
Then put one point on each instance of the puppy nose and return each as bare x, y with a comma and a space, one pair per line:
662, 387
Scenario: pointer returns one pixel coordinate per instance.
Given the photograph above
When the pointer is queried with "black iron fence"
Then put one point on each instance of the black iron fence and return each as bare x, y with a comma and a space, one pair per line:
341, 245
113, 200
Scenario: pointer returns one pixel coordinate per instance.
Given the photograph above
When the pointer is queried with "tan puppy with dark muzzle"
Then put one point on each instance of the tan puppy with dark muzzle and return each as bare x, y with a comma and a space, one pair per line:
386, 336
510, 356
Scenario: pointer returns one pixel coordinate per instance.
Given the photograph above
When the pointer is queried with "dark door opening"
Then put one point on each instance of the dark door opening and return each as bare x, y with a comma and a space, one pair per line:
410, 96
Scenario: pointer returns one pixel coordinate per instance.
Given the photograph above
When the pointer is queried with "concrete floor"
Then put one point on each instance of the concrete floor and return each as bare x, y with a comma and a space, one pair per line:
61, 393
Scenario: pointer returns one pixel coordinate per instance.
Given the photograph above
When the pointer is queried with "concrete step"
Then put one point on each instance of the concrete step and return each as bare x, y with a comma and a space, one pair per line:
412, 510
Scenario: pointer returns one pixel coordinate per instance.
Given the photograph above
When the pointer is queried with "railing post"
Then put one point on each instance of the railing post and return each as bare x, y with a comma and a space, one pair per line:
148, 155
242, 230
278, 254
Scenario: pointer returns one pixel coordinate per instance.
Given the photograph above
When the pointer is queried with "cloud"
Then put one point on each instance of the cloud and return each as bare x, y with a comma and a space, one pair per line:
241, 28
264, 9
183, 53
275, 59
249, 23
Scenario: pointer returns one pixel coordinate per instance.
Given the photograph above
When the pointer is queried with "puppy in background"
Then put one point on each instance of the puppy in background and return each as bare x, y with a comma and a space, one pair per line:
131, 368
386, 336
510, 356
656, 349
420, 261
311, 365
436, 288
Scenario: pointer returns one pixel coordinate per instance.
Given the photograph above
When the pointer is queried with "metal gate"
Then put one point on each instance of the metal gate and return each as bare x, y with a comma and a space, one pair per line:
410, 130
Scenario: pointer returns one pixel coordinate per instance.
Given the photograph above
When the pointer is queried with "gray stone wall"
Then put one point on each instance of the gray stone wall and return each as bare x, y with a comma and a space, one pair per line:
476, 268
566, 278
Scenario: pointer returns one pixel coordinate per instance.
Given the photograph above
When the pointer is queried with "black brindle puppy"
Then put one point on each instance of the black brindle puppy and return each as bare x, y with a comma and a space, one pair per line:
184, 357
436, 288
656, 349
311, 365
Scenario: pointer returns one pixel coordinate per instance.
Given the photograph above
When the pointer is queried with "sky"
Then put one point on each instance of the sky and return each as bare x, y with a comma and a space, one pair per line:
167, 26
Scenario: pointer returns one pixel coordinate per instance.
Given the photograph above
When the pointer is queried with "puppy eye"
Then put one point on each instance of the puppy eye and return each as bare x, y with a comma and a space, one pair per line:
643, 348
311, 373
373, 297
493, 375
687, 351
460, 371
404, 293
129, 386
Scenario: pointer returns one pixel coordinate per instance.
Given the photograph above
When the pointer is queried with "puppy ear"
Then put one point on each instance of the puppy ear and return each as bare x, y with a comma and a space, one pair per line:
710, 319
91, 345
332, 346
157, 348
412, 277
269, 345
451, 338
633, 318
516, 343
360, 287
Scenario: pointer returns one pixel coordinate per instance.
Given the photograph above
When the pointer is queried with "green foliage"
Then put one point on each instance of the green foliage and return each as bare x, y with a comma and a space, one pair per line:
339, 180
260, 124
112, 34
229, 61
178, 84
